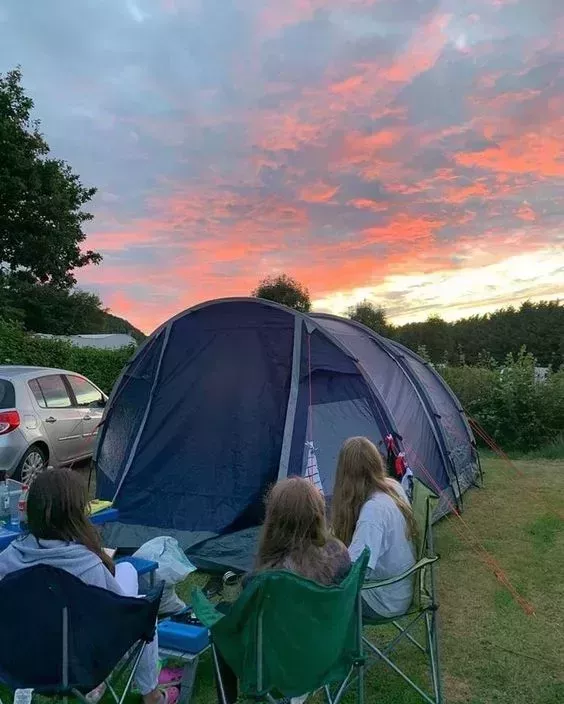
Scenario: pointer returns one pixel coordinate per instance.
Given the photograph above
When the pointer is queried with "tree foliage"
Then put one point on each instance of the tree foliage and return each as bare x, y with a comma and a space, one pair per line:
515, 408
41, 199
285, 290
48, 309
488, 339
372, 316
101, 366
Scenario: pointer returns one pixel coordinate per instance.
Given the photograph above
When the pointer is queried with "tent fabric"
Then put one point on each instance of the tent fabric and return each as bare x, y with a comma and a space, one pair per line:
224, 399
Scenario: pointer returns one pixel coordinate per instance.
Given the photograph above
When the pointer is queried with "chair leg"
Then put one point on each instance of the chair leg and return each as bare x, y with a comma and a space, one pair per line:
434, 659
217, 672
361, 684
381, 654
132, 674
188, 681
343, 687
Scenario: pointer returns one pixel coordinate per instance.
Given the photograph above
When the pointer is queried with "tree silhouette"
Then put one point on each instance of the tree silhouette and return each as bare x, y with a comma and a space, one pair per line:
285, 290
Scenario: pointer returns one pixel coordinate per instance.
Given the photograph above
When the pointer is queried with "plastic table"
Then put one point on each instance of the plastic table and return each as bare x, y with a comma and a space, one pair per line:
142, 566
183, 648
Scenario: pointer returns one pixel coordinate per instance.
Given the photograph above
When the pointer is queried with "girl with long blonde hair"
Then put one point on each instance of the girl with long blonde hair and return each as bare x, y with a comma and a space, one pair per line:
370, 509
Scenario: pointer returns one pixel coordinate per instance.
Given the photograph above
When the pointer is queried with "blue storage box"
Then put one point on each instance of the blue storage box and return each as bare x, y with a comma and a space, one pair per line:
183, 637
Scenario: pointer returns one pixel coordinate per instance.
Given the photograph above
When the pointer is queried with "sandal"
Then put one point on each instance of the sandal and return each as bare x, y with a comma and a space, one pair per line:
170, 695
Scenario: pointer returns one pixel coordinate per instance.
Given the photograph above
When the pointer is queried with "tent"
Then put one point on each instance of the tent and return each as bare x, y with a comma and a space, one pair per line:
231, 395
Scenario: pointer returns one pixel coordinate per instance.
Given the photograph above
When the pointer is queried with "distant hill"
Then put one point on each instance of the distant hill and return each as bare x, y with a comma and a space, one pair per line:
112, 324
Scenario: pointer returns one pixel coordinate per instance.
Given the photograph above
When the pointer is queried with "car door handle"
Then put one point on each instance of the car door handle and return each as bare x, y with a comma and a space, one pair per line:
87, 418
50, 420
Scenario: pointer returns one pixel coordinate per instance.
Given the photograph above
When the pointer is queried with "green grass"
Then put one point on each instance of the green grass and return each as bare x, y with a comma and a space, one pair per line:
492, 651
552, 451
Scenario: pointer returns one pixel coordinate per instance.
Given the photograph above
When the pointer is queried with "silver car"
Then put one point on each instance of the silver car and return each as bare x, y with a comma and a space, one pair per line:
47, 417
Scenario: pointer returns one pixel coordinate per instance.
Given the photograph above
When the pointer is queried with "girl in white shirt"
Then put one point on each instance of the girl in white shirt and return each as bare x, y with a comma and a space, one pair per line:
371, 510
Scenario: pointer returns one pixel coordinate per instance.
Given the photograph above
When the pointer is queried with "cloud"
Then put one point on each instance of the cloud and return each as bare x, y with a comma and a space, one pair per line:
318, 193
355, 144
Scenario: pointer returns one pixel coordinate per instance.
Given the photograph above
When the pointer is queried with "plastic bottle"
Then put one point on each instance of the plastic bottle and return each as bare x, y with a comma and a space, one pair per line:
14, 510
4, 499
22, 508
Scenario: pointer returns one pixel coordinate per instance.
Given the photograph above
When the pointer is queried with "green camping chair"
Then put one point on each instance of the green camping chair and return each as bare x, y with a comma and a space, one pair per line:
286, 635
424, 606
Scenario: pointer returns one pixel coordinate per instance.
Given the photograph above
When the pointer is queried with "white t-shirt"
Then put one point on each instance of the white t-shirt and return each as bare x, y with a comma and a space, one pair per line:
381, 527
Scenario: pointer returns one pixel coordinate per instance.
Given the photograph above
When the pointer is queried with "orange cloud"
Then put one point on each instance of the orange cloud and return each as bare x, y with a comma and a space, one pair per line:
279, 132
318, 193
422, 51
350, 118
403, 228
531, 153
526, 213
367, 204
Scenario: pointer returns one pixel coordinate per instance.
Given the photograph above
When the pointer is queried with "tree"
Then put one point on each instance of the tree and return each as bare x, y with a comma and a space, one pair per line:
41, 199
48, 309
372, 316
286, 290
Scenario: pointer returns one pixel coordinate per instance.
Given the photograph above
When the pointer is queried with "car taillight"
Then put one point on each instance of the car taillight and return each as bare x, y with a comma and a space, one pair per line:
9, 420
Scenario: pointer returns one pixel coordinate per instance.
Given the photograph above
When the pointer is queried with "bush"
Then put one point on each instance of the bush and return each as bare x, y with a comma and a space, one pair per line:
518, 412
100, 366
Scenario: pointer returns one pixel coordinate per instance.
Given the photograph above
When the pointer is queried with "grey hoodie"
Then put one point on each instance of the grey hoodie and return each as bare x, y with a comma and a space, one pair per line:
71, 557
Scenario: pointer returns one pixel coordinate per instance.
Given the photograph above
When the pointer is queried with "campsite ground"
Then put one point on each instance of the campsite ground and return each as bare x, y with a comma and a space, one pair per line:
492, 651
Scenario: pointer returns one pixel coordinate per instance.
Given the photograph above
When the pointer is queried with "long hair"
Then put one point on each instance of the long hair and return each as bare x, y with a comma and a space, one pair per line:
360, 474
57, 510
295, 530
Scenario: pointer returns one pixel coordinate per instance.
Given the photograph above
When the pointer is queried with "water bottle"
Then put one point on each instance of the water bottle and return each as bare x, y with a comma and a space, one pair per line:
4, 499
22, 508
14, 509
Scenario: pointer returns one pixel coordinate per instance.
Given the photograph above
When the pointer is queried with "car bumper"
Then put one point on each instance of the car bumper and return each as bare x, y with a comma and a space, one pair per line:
12, 448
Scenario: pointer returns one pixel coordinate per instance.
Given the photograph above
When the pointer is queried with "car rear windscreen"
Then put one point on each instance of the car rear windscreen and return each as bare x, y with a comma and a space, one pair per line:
7, 394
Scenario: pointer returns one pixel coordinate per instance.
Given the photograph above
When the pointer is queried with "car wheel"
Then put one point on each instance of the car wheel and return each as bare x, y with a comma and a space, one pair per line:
33, 462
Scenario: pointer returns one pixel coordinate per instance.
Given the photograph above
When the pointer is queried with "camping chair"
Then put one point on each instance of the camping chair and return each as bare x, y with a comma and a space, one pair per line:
287, 636
424, 605
62, 637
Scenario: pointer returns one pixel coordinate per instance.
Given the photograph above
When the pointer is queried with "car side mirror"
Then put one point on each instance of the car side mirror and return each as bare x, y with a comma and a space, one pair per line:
101, 403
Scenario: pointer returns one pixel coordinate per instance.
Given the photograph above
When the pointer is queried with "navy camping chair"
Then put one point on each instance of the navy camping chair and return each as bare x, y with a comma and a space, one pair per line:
61, 637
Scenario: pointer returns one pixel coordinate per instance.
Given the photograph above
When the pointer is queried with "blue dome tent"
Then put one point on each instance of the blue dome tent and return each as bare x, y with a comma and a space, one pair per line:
231, 395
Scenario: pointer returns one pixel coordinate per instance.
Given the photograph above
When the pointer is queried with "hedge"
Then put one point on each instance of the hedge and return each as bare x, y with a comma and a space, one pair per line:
100, 366
519, 412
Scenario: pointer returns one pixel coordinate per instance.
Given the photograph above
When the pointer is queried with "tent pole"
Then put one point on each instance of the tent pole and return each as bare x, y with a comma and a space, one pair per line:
292, 399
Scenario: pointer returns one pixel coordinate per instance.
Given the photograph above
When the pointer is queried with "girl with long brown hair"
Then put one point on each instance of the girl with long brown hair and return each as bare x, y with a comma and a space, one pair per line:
294, 537
371, 510
61, 535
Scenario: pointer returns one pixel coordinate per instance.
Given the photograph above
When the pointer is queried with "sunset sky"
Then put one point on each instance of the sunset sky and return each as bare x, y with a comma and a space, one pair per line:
406, 151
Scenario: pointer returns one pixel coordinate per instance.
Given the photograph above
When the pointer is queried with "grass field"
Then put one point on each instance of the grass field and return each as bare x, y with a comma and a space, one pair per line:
492, 651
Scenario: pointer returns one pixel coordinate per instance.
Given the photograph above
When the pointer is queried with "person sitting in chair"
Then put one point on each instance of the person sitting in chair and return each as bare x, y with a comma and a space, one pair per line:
371, 510
294, 537
61, 535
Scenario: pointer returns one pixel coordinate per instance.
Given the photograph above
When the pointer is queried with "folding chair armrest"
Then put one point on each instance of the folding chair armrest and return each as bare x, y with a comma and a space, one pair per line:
424, 562
205, 611
141, 565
